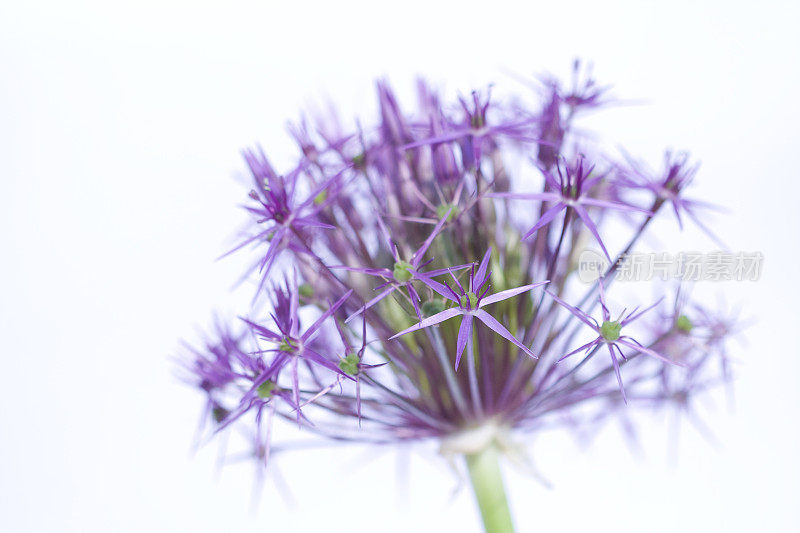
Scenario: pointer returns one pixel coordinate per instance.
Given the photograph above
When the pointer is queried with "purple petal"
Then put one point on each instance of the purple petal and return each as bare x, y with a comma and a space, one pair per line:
455, 279
677, 205
414, 299
590, 225
585, 346
440, 271
261, 330
498, 328
348, 348
247, 241
431, 321
550, 179
603, 305
380, 272
311, 355
387, 237
504, 295
616, 371
590, 181
706, 230
639, 348
435, 286
480, 275
691, 203
464, 333
308, 222
316, 325
614, 205
383, 294
630, 318
586, 319
415, 259
547, 217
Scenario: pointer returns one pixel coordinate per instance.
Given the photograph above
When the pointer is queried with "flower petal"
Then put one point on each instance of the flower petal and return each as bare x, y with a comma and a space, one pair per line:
431, 321
464, 333
547, 217
586, 319
492, 323
316, 325
508, 293
587, 221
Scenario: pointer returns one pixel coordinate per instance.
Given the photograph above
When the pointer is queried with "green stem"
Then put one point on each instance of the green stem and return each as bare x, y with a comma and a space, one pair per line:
487, 482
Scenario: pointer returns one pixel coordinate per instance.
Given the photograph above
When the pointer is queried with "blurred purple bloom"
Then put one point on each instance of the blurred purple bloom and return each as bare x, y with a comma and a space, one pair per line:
669, 186
476, 130
609, 333
561, 107
291, 346
277, 208
570, 192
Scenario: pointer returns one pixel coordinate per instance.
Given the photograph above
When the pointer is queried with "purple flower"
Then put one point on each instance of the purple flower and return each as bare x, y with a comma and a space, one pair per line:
289, 345
402, 272
285, 218
560, 109
609, 333
215, 367
669, 187
469, 304
443, 157
569, 193
352, 363
476, 130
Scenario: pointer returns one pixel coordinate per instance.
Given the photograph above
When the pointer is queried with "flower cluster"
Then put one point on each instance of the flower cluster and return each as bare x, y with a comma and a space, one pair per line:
409, 287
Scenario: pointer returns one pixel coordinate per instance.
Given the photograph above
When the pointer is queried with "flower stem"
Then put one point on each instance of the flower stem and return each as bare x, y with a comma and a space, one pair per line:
487, 482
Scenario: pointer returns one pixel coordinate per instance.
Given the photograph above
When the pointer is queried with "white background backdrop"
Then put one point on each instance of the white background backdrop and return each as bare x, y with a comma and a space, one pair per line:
120, 127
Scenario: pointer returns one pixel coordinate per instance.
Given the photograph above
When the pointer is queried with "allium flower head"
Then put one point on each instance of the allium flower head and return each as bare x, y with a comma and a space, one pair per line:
398, 265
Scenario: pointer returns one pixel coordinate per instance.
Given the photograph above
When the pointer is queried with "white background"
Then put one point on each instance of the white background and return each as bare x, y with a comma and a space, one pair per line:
120, 127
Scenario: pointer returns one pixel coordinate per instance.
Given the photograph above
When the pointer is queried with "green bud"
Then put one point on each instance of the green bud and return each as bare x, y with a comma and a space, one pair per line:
401, 271
432, 307
321, 197
305, 290
349, 365
219, 413
684, 324
610, 330
442, 210
287, 345
470, 297
265, 389
359, 160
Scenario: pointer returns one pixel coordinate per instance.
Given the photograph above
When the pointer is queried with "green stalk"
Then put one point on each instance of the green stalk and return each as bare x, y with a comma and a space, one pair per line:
487, 482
